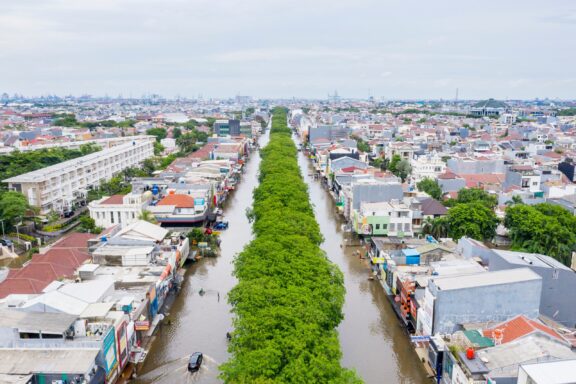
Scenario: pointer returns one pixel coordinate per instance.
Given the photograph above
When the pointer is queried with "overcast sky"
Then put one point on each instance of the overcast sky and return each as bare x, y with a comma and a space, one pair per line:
285, 48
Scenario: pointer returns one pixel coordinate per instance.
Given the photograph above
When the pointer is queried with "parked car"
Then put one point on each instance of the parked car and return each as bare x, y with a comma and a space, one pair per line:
219, 225
6, 242
195, 362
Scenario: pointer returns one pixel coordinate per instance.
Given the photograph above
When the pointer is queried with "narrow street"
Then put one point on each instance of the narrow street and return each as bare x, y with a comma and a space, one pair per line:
371, 337
200, 322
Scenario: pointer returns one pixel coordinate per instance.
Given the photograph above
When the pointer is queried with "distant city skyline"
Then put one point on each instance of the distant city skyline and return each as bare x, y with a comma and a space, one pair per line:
387, 49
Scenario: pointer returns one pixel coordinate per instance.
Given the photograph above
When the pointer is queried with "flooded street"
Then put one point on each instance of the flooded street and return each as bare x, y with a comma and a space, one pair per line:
371, 338
200, 322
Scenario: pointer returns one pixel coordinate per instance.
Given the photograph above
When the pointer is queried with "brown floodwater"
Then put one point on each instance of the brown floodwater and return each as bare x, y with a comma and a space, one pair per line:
372, 341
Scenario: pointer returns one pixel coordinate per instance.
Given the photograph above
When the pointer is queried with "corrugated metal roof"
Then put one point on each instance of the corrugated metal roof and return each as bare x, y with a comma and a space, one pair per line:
508, 276
26, 361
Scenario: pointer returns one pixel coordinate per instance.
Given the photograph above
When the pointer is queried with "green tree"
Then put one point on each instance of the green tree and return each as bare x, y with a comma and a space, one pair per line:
474, 220
13, 207
472, 195
437, 227
87, 224
176, 133
158, 148
159, 133
403, 169
431, 187
393, 166
542, 228
147, 216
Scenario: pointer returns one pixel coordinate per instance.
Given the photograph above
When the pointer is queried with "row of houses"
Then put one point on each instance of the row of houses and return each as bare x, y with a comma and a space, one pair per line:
475, 314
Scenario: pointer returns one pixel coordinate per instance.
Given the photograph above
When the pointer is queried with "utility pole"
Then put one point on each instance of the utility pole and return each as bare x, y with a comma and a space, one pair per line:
3, 234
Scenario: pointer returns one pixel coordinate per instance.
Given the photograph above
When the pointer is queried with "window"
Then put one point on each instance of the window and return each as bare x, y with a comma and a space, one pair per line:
119, 217
377, 226
112, 217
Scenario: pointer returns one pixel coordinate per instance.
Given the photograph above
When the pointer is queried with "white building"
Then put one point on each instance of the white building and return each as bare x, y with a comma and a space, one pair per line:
552, 372
118, 209
427, 166
57, 187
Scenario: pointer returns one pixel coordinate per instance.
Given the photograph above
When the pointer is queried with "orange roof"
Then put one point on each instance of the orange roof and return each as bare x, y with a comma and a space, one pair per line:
178, 200
521, 326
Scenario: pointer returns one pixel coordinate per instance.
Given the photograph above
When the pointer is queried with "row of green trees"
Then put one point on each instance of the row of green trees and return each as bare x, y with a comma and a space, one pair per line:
289, 296
69, 120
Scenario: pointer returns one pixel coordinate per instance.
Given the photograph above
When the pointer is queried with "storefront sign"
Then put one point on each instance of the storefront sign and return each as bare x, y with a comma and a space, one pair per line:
142, 325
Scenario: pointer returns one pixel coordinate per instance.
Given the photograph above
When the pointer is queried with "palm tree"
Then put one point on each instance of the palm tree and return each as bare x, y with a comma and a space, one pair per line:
147, 216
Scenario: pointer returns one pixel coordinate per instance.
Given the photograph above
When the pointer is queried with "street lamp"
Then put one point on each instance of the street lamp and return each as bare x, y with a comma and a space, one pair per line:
17, 225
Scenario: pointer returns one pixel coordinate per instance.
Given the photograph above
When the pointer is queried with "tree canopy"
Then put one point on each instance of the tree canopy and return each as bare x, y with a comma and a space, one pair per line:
542, 228
289, 296
431, 187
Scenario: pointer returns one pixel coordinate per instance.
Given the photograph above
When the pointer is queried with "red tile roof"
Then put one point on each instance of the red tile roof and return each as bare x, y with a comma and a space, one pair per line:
477, 180
114, 199
520, 326
61, 261
178, 200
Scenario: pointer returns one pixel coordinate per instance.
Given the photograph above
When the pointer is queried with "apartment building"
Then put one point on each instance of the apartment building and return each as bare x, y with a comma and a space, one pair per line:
57, 187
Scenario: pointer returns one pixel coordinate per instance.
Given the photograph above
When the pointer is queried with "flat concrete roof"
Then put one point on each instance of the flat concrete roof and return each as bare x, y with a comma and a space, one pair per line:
36, 321
27, 361
508, 276
556, 372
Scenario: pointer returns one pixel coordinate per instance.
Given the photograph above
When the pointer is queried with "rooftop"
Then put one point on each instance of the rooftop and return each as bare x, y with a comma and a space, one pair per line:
555, 372
27, 361
45, 322
508, 276
70, 165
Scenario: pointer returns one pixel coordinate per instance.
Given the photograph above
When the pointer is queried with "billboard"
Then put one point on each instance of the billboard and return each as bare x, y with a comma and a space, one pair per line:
109, 349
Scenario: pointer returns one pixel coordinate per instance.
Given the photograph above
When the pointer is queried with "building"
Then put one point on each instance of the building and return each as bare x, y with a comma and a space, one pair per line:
555, 372
227, 127
568, 167
60, 186
558, 282
450, 302
383, 219
328, 132
118, 209
429, 166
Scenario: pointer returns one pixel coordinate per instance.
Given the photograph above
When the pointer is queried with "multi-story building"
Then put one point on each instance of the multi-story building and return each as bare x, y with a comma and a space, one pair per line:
392, 218
59, 186
227, 127
118, 209
429, 166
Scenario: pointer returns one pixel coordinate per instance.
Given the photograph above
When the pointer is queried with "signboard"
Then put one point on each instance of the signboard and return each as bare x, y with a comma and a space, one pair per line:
418, 339
427, 313
202, 244
143, 325
110, 360
122, 345
199, 201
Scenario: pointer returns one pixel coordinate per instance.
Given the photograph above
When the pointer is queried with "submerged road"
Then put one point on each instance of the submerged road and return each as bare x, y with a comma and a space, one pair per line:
371, 338
200, 322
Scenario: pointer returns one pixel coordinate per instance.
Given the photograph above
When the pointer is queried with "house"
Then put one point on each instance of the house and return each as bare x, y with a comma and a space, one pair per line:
118, 209
383, 219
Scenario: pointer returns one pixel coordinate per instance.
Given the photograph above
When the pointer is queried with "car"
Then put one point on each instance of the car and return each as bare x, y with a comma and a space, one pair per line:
195, 362
221, 225
6, 242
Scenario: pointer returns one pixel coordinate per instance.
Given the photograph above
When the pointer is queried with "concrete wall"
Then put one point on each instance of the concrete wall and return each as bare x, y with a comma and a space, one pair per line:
495, 303
330, 132
459, 166
558, 289
375, 193
451, 185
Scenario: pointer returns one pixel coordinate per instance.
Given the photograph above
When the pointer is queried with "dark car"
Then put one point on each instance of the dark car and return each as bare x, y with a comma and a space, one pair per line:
195, 361
6, 242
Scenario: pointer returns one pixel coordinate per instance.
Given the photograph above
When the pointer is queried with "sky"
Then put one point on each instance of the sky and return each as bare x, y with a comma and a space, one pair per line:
406, 49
